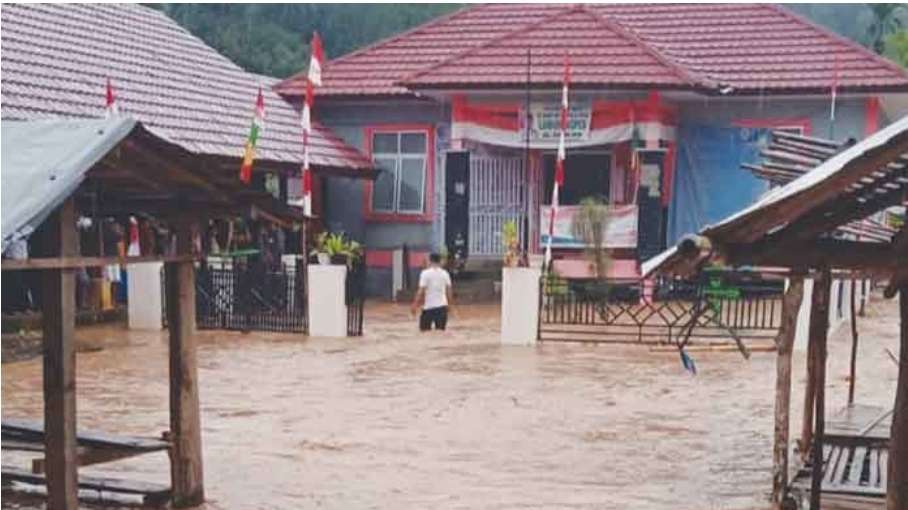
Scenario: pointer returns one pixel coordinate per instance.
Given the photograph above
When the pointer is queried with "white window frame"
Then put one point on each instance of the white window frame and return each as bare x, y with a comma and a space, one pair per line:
399, 157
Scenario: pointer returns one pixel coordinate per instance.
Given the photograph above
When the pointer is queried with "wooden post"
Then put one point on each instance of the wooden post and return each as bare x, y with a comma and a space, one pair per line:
809, 388
854, 343
185, 427
897, 484
791, 304
819, 329
59, 308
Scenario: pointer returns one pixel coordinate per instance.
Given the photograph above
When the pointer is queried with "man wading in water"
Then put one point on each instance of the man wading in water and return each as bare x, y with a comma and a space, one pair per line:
435, 295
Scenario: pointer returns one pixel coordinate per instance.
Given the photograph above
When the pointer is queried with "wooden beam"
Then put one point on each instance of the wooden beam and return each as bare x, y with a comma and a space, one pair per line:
819, 329
897, 479
185, 426
791, 304
59, 323
832, 253
76, 262
796, 205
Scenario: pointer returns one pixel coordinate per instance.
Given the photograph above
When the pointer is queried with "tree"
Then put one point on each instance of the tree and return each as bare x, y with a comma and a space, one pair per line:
886, 20
897, 47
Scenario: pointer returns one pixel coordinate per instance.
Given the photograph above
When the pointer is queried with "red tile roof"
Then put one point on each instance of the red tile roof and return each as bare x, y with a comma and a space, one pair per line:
56, 60
741, 48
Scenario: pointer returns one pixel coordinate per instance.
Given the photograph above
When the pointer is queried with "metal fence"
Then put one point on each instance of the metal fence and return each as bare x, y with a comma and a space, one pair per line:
247, 296
355, 298
720, 306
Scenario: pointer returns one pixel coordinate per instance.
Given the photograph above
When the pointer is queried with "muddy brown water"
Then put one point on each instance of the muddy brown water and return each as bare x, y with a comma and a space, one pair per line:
401, 420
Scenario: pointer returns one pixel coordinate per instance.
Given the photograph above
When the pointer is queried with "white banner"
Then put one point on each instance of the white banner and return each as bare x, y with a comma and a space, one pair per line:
620, 232
545, 122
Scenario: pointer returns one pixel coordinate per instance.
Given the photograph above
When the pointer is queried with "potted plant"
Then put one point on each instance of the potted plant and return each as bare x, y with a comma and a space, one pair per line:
510, 239
320, 252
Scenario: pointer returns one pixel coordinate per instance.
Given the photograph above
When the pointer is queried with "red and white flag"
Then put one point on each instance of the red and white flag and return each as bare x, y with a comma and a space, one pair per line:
111, 101
314, 77
559, 162
835, 87
317, 60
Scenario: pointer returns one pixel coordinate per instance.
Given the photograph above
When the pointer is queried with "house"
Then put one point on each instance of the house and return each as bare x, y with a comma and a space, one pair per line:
690, 88
57, 60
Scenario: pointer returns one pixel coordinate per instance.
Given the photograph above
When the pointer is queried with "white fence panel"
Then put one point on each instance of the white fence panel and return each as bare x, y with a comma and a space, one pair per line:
497, 195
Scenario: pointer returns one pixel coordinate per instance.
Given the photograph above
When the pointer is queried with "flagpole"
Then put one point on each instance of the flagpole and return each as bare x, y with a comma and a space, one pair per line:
528, 176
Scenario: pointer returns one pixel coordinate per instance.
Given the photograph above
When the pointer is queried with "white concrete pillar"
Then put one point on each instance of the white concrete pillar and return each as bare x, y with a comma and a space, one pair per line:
520, 305
327, 306
144, 305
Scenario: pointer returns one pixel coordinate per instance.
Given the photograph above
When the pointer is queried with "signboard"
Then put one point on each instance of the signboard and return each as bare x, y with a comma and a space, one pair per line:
545, 122
620, 232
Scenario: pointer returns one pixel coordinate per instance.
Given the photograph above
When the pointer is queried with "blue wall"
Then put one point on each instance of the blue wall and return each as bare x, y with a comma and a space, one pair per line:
709, 182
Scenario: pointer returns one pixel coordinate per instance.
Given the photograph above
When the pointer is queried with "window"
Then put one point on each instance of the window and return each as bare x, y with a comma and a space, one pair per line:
586, 174
401, 184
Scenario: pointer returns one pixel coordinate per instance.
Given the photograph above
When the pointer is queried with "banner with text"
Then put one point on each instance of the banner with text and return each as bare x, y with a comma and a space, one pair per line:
620, 231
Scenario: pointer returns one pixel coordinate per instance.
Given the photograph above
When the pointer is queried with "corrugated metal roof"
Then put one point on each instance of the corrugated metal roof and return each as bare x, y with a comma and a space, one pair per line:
56, 60
744, 48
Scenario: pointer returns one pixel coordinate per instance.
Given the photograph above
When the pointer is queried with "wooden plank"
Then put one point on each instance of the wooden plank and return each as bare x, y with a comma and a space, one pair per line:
94, 439
75, 262
60, 238
185, 427
838, 476
95, 483
874, 480
857, 465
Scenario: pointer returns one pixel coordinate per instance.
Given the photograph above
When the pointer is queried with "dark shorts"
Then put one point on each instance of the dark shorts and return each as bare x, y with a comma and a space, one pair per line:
433, 316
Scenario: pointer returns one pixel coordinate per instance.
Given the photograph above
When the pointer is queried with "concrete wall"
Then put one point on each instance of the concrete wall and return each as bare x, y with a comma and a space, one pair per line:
343, 198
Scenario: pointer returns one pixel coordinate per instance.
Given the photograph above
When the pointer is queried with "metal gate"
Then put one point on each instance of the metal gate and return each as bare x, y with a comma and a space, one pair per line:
355, 297
660, 311
497, 195
241, 296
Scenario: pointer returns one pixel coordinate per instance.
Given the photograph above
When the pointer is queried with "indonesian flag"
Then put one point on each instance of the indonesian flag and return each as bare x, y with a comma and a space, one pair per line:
317, 60
307, 130
111, 101
255, 130
134, 249
559, 162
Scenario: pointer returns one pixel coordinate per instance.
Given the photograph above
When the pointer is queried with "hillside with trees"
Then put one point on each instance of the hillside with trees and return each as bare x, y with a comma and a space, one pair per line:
272, 39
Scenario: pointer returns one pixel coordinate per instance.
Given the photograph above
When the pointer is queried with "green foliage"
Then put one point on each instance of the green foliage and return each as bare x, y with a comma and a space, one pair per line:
510, 240
590, 225
897, 47
336, 243
272, 39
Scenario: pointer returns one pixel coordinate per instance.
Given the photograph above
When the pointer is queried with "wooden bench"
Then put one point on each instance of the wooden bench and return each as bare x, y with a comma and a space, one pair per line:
91, 448
151, 493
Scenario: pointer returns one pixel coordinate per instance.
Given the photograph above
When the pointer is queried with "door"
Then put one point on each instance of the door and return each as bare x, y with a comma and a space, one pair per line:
497, 190
457, 204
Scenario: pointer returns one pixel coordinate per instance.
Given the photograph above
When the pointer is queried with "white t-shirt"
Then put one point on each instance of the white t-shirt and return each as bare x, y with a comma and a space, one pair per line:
435, 281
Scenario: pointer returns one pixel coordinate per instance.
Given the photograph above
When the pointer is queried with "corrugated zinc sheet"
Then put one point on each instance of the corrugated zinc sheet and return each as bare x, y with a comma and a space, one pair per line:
57, 58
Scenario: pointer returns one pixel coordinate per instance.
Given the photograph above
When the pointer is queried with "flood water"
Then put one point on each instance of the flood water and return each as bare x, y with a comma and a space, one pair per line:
401, 420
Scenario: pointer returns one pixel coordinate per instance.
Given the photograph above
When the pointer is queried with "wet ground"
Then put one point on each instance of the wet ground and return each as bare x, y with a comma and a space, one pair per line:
401, 420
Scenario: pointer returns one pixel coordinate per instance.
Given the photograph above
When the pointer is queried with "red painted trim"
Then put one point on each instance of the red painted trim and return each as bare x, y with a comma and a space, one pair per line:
871, 115
379, 258
776, 122
385, 258
426, 215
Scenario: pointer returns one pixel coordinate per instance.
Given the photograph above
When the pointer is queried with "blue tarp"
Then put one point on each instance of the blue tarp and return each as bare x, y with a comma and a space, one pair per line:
709, 182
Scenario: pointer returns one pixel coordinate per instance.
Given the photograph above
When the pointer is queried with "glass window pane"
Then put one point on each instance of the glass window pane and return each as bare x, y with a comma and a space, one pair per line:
412, 179
384, 143
384, 187
413, 143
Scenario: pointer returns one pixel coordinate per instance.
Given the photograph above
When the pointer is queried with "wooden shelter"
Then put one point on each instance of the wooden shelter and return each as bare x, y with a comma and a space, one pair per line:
798, 227
117, 167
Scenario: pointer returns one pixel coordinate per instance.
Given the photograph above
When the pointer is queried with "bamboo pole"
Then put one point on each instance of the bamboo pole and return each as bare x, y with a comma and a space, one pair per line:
819, 329
791, 304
